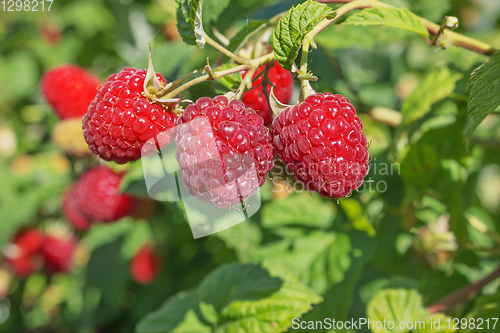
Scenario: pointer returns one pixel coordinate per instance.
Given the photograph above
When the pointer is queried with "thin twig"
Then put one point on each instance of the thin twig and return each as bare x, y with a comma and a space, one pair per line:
433, 28
463, 294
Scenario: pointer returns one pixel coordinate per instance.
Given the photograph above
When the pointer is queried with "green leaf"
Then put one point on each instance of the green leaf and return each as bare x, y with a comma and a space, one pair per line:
359, 220
486, 307
171, 314
438, 85
189, 22
234, 298
484, 91
319, 259
213, 9
191, 324
298, 209
419, 166
400, 18
291, 30
396, 305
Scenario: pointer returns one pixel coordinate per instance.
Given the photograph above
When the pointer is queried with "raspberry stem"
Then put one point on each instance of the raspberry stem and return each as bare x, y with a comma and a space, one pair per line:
225, 51
433, 28
246, 83
206, 77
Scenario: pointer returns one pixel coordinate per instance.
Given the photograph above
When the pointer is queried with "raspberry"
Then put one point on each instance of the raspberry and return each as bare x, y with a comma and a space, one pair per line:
282, 81
144, 266
120, 120
95, 197
224, 151
30, 240
322, 143
58, 250
71, 211
21, 254
68, 135
69, 90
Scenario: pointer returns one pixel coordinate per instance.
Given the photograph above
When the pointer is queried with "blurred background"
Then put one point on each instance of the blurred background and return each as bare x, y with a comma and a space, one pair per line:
428, 219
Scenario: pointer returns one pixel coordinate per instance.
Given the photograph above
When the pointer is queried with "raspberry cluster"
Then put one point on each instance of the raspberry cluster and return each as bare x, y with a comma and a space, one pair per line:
223, 148
31, 249
95, 197
224, 151
120, 119
322, 143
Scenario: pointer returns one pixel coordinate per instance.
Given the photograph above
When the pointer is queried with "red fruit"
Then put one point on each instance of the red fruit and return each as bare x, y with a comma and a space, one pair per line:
71, 211
21, 254
224, 151
120, 120
145, 265
69, 90
58, 252
29, 240
95, 197
22, 265
255, 98
322, 143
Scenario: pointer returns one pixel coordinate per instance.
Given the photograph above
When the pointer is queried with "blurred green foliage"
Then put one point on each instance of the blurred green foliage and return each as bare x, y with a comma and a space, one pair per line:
425, 224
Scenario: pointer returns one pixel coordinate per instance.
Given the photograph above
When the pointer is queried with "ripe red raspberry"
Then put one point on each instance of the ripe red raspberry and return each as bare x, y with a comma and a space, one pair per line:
58, 250
224, 151
145, 265
322, 143
21, 254
95, 197
69, 90
71, 211
282, 81
120, 120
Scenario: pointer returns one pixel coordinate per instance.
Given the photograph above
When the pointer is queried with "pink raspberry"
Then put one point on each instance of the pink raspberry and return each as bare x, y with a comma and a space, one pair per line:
224, 151
72, 212
322, 143
121, 120
58, 252
95, 197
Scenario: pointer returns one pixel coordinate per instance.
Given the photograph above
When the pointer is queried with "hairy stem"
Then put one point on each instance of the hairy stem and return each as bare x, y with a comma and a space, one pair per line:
246, 82
207, 77
433, 28
463, 294
303, 66
225, 51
